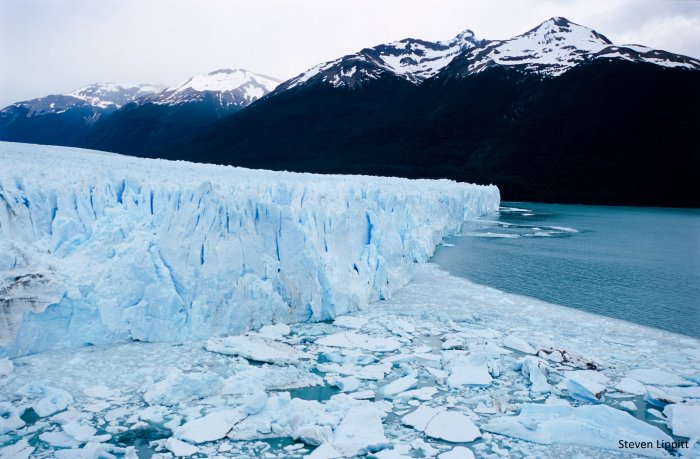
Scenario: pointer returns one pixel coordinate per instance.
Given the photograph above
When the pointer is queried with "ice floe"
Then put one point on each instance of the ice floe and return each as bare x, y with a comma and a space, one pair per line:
385, 386
353, 340
443, 424
257, 348
590, 425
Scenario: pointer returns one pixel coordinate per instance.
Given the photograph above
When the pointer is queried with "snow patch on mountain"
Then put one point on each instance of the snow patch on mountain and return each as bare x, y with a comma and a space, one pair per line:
550, 49
409, 59
97, 96
98, 248
104, 95
556, 46
228, 87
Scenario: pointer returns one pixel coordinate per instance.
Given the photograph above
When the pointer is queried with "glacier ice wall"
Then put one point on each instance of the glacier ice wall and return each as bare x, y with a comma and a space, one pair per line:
98, 248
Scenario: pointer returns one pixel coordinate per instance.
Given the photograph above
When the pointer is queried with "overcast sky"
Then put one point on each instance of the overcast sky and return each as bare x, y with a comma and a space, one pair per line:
55, 46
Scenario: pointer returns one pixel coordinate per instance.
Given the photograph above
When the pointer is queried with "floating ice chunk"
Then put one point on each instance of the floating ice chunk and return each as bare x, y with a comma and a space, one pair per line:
326, 451
282, 416
659, 397
437, 373
442, 424
657, 377
393, 359
469, 375
492, 234
564, 229
397, 452
84, 432
518, 344
685, 392
345, 384
9, 418
363, 395
684, 420
359, 432
466, 369
458, 452
453, 427
350, 322
179, 448
255, 403
94, 450
99, 391
313, 434
177, 387
628, 405
370, 372
275, 332
257, 348
400, 327
567, 357
424, 394
5, 367
585, 385
19, 450
155, 413
248, 379
420, 418
54, 400
59, 438
536, 369
631, 386
213, 426
353, 340
589, 425
420, 445
399, 385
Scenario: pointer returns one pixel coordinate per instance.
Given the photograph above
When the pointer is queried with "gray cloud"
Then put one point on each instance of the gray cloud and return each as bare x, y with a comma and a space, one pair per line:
56, 46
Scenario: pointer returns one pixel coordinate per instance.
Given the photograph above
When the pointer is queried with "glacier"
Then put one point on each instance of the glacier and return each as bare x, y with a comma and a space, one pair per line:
98, 248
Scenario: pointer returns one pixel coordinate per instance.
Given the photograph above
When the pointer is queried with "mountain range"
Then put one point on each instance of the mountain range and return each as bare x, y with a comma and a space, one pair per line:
559, 113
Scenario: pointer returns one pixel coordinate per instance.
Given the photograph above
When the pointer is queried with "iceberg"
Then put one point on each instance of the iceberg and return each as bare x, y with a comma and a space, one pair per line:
589, 425
99, 248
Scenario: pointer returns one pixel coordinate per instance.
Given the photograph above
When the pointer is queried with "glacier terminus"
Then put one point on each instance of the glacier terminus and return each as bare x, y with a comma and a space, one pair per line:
99, 248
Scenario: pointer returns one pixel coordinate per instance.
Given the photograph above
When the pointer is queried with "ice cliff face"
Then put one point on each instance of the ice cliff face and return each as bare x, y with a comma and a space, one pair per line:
98, 248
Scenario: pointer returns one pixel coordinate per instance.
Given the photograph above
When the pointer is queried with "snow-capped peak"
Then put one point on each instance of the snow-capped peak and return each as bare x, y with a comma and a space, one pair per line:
410, 59
237, 87
103, 94
95, 97
556, 46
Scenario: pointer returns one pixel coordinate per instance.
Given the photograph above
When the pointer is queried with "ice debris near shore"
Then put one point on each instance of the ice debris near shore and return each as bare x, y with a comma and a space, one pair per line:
376, 384
91, 243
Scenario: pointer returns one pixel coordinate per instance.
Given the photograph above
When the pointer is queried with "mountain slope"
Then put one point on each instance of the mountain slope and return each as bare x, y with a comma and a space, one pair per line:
162, 118
555, 47
569, 123
62, 119
408, 59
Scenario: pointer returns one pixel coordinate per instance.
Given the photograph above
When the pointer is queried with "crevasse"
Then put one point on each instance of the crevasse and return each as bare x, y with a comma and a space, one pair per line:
97, 248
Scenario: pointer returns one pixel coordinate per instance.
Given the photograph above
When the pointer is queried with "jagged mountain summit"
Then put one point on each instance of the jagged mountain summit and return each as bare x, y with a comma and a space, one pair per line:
550, 49
555, 47
408, 59
230, 88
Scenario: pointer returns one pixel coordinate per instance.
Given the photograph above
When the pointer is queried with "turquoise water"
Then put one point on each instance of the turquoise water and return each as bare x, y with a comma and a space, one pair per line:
637, 264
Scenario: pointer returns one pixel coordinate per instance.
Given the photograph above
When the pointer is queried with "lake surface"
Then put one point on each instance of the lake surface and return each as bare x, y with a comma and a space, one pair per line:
637, 264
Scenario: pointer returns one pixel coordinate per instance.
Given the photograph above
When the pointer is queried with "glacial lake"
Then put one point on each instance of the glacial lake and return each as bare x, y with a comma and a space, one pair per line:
632, 263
